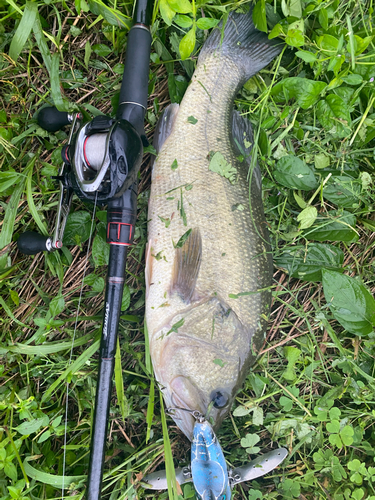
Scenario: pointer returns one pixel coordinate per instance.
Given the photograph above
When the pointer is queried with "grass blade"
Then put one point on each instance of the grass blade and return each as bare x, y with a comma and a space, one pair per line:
10, 314
169, 466
23, 31
73, 368
9, 219
44, 349
30, 200
150, 410
58, 100
42, 44
52, 479
119, 383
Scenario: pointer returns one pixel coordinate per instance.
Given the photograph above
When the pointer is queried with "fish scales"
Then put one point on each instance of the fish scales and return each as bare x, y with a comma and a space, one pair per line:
202, 339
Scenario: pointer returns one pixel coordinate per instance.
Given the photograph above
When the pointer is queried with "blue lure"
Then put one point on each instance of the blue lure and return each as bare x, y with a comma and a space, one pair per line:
208, 467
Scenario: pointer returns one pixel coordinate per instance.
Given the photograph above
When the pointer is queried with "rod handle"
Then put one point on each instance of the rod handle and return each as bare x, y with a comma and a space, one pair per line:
31, 243
51, 119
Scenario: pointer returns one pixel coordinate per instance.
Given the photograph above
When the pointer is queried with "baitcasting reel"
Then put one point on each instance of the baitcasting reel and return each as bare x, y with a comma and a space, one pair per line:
101, 162
208, 470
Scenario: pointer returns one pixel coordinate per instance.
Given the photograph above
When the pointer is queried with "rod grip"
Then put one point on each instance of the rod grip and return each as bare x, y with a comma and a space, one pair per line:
51, 119
134, 88
31, 243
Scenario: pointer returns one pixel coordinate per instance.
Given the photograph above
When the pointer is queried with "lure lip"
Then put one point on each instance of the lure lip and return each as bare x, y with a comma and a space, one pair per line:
158, 480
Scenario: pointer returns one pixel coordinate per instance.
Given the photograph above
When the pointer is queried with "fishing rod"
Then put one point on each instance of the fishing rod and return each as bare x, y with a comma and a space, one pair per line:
101, 162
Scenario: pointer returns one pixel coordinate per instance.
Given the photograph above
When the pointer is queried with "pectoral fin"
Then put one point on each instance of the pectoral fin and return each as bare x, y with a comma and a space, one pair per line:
186, 266
164, 126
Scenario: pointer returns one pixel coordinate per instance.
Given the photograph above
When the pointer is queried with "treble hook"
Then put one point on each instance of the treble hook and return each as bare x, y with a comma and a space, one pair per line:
196, 414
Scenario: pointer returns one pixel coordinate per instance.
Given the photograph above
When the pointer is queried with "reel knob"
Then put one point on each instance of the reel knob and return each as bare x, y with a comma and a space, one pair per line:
51, 119
31, 243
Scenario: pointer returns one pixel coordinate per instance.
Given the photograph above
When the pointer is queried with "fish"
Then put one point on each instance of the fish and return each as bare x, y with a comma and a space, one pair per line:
208, 259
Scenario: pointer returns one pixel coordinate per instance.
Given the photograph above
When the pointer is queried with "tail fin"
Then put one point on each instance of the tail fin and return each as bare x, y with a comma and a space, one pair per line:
241, 41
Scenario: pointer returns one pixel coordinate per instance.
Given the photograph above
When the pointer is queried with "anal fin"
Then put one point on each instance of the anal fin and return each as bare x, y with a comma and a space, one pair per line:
186, 266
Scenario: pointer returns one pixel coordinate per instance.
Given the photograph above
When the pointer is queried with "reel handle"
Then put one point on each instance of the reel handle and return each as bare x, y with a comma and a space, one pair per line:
51, 119
31, 243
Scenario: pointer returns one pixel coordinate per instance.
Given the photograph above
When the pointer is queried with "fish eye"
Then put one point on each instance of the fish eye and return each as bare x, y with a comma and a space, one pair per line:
220, 399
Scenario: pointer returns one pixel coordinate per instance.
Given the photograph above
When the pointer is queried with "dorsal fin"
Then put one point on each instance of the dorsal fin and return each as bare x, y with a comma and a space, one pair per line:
186, 266
243, 140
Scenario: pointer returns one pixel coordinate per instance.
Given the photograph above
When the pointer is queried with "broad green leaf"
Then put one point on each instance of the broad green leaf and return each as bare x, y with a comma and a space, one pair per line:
294, 173
10, 470
352, 79
101, 49
24, 29
259, 16
347, 434
96, 282
305, 91
100, 251
360, 44
249, 442
321, 161
295, 36
27, 428
334, 115
334, 65
328, 43
292, 355
287, 403
52, 479
180, 6
335, 226
306, 56
350, 302
125, 299
206, 23
183, 21
57, 305
292, 8
334, 413
343, 191
177, 85
307, 217
258, 417
187, 44
46, 435
333, 426
291, 488
166, 12
241, 411
323, 18
77, 228
335, 440
255, 495
307, 262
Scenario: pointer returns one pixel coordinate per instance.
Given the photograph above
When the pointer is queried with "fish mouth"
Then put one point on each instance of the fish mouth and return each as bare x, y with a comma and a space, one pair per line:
185, 398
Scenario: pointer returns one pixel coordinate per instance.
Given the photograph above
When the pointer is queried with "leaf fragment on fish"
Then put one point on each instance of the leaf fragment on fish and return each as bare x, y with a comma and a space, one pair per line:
219, 165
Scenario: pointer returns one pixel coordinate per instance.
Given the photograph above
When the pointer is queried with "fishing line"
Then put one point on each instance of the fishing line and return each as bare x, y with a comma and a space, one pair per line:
71, 350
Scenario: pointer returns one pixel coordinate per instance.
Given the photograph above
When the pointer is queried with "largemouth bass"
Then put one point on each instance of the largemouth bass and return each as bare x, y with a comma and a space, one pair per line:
208, 263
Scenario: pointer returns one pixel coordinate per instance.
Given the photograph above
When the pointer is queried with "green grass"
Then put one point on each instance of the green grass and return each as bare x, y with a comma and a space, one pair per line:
313, 387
